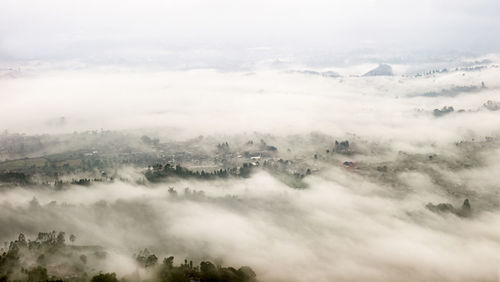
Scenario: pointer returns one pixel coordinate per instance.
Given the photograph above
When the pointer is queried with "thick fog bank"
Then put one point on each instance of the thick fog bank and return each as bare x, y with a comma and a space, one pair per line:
340, 228
192, 103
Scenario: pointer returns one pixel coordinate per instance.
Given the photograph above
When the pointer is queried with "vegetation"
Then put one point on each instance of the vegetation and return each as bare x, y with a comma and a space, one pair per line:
445, 110
49, 258
158, 173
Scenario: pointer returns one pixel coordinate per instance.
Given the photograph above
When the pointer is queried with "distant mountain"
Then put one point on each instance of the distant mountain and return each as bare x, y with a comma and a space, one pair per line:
382, 69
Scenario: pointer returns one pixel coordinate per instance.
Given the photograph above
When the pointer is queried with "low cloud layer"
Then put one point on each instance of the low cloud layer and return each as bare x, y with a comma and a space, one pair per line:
190, 103
368, 223
340, 228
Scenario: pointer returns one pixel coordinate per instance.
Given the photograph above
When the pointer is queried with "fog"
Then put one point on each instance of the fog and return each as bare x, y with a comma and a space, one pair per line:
319, 141
341, 228
198, 102
345, 226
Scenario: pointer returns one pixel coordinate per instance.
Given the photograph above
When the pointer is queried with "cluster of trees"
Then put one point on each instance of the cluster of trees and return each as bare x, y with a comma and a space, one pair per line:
15, 178
150, 141
82, 181
88, 181
47, 169
59, 184
49, 258
43, 258
464, 211
223, 147
187, 271
158, 172
342, 147
264, 146
445, 110
432, 72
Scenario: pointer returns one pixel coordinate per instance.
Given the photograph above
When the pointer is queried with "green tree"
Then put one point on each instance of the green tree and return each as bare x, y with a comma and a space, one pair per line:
37, 274
105, 277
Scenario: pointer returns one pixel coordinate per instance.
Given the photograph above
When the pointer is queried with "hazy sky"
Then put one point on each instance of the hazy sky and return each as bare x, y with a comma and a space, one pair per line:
118, 29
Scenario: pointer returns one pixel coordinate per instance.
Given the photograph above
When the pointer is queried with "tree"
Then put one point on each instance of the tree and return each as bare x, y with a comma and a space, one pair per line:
38, 274
169, 262
146, 140
105, 277
72, 238
151, 260
83, 258
206, 266
60, 238
22, 240
34, 203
